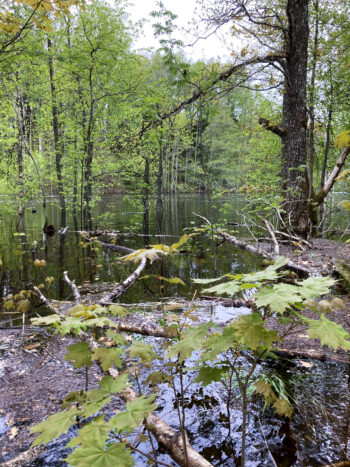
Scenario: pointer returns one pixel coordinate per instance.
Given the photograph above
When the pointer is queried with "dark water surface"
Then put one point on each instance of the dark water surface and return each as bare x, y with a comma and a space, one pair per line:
319, 432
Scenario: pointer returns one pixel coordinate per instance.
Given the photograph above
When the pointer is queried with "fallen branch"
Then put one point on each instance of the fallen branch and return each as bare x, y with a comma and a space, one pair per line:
24, 458
273, 236
259, 251
74, 288
44, 301
123, 286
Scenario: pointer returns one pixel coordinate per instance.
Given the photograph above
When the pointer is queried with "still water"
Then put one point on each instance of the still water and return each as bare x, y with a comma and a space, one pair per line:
319, 431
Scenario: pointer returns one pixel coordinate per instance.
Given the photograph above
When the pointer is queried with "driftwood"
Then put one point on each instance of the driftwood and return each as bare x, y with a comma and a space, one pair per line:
43, 300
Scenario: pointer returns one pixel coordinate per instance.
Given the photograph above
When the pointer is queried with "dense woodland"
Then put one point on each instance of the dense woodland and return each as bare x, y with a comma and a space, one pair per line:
84, 114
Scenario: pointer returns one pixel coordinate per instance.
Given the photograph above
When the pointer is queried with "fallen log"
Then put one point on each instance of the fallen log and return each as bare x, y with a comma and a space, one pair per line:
24, 458
259, 251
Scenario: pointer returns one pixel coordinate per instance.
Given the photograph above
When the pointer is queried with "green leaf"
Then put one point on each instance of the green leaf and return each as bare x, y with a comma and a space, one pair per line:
135, 412
208, 374
315, 286
251, 332
116, 455
117, 338
170, 280
279, 298
218, 343
108, 357
95, 405
100, 322
157, 377
54, 426
96, 431
207, 281
110, 385
71, 324
228, 288
80, 354
268, 274
144, 351
117, 310
45, 320
193, 340
328, 332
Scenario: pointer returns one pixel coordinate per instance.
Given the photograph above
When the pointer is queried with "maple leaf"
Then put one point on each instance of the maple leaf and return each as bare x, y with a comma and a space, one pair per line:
144, 351
100, 322
251, 332
117, 310
135, 412
94, 406
278, 298
193, 340
328, 332
229, 288
117, 338
208, 374
71, 324
96, 430
116, 455
45, 320
218, 343
80, 354
110, 385
54, 426
108, 357
157, 377
283, 407
207, 281
315, 286
265, 389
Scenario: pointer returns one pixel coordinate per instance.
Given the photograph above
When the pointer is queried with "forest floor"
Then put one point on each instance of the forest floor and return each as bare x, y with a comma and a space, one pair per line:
35, 378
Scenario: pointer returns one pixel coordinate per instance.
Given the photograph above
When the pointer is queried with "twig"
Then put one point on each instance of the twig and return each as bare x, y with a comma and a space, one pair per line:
273, 236
266, 443
44, 301
203, 218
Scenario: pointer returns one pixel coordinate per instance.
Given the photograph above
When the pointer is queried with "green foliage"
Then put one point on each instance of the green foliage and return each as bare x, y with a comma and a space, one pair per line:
328, 332
54, 426
250, 332
135, 412
97, 455
144, 351
80, 354
108, 357
191, 341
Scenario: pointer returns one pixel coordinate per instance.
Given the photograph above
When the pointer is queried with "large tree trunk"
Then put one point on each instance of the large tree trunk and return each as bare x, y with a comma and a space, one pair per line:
294, 140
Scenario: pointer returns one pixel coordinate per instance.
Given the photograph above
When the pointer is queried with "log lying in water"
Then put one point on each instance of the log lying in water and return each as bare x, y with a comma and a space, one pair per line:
259, 251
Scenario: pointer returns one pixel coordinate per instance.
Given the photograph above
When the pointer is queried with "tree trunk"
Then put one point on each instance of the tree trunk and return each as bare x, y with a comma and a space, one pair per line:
294, 185
55, 127
89, 146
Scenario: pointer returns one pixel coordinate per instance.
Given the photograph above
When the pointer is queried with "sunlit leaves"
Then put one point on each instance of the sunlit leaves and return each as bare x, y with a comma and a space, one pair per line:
278, 298
97, 455
96, 431
315, 286
119, 311
153, 253
343, 139
328, 332
46, 320
135, 412
80, 354
54, 426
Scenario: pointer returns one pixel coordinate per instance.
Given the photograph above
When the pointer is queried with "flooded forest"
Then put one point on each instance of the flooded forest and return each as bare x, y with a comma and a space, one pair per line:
174, 234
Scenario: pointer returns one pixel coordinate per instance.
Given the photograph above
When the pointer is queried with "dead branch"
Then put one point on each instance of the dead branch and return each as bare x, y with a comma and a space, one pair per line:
120, 248
74, 288
44, 301
277, 129
320, 196
273, 236
123, 286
